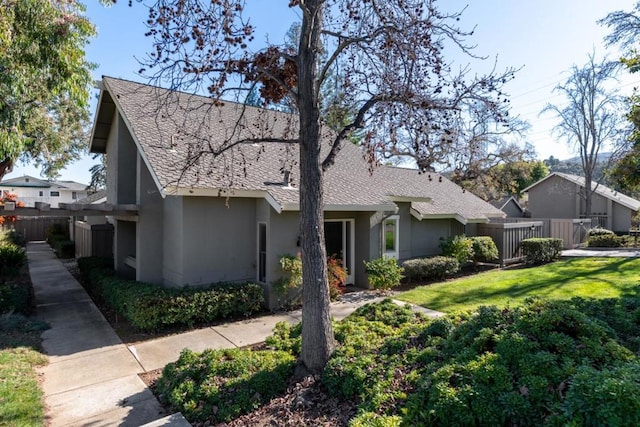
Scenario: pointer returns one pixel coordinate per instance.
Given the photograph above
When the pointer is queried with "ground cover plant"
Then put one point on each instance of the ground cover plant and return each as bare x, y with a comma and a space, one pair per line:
563, 279
572, 362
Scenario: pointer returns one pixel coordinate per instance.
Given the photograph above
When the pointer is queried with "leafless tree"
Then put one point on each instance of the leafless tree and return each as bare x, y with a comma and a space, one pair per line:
590, 119
401, 94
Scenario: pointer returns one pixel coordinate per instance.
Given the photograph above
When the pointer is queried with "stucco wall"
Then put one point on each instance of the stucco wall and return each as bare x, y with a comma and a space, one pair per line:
554, 198
621, 218
426, 236
219, 242
150, 228
126, 164
172, 254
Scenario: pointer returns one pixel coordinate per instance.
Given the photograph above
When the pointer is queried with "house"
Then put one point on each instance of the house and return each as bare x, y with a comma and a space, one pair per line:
30, 190
510, 206
560, 195
232, 217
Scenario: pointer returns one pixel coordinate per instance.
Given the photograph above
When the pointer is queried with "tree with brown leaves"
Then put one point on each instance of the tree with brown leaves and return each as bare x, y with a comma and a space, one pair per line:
401, 94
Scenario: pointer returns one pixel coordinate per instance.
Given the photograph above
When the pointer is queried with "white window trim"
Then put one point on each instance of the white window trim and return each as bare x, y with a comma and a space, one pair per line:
395, 254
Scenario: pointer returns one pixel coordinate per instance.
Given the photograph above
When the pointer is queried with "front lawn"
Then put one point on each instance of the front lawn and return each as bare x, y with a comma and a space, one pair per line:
564, 279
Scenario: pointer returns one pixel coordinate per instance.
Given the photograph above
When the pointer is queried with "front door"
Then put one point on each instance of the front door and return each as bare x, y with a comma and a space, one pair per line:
339, 241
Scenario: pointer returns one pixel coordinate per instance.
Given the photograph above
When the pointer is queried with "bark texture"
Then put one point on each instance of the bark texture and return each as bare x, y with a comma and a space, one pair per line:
317, 334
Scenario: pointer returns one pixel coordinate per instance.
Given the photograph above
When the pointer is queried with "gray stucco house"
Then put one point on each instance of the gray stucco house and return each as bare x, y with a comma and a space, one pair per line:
510, 206
232, 217
560, 195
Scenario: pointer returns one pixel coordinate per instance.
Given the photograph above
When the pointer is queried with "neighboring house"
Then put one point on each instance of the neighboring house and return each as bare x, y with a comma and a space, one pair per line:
561, 195
97, 198
31, 190
233, 217
510, 206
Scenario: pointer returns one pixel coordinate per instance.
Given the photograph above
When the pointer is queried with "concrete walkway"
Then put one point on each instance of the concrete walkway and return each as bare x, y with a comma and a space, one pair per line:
92, 377
601, 252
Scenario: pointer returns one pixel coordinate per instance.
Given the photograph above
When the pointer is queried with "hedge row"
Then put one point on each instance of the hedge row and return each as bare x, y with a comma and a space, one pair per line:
437, 267
151, 307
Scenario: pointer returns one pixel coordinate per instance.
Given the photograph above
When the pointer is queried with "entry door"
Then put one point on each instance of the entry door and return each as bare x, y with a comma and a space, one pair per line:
339, 241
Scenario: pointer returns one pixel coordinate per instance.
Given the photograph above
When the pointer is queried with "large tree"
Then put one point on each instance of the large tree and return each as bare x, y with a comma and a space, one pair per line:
44, 82
589, 119
399, 92
625, 32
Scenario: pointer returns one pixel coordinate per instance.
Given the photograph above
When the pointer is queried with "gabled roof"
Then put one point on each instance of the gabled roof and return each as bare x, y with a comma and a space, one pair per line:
600, 189
27, 181
500, 204
161, 123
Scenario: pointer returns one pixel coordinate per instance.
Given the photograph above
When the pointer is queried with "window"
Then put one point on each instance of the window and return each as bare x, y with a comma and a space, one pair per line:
41, 193
74, 195
390, 237
54, 194
262, 252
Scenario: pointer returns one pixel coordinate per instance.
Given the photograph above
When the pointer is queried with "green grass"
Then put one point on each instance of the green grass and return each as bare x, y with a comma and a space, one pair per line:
21, 400
564, 279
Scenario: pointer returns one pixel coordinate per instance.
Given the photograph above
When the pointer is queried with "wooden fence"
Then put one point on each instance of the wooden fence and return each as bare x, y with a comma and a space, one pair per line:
573, 232
35, 228
93, 239
508, 235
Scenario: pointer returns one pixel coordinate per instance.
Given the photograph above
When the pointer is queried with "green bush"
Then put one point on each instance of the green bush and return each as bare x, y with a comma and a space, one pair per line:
438, 267
484, 249
459, 247
541, 250
286, 338
65, 248
604, 241
14, 298
152, 307
604, 397
12, 259
220, 385
383, 273
596, 231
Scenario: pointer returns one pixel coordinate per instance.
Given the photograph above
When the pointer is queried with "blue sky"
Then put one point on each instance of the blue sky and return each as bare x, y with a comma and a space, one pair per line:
544, 37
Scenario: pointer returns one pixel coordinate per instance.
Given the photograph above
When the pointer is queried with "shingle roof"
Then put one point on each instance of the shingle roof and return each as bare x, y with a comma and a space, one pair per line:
93, 198
500, 204
166, 125
600, 189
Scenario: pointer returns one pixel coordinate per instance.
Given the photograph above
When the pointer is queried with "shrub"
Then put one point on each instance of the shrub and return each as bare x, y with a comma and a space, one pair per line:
484, 249
596, 231
57, 232
541, 250
604, 241
152, 307
286, 338
459, 247
607, 397
12, 259
437, 267
65, 248
289, 286
384, 273
14, 298
220, 385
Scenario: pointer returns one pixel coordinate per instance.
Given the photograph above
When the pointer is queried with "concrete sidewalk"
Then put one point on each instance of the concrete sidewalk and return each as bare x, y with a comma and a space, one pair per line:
92, 377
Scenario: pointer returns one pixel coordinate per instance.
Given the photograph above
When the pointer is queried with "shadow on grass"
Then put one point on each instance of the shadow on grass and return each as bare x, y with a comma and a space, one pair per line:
611, 275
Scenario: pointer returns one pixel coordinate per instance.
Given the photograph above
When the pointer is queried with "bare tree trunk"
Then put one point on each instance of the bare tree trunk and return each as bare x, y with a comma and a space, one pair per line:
317, 333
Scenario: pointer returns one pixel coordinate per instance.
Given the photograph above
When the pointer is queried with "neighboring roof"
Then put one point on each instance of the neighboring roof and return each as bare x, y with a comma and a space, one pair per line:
27, 181
159, 121
600, 189
99, 196
500, 204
